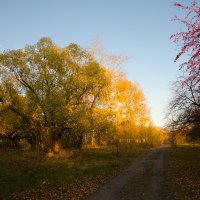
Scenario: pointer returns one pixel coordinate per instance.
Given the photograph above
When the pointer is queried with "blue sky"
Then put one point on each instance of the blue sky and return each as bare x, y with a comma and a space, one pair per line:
139, 29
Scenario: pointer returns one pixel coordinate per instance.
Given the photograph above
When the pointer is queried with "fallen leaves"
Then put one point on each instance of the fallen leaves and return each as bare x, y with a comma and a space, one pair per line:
40, 177
74, 190
184, 173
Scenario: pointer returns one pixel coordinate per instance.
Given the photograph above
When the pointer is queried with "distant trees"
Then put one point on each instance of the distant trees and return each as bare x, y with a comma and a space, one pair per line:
52, 96
185, 106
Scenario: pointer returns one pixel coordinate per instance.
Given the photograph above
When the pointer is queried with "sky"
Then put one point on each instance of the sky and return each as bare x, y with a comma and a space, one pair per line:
138, 29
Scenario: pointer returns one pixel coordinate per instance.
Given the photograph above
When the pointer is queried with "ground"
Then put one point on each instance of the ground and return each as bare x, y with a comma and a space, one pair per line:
161, 173
184, 171
145, 179
32, 175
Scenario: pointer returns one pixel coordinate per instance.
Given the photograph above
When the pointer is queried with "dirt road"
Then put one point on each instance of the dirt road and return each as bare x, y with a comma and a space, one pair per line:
143, 180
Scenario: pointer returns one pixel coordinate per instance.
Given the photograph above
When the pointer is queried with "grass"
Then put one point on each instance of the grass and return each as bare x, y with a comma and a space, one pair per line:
184, 172
31, 175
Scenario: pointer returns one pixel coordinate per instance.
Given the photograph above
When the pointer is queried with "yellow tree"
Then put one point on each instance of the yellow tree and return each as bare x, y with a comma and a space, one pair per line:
51, 88
130, 109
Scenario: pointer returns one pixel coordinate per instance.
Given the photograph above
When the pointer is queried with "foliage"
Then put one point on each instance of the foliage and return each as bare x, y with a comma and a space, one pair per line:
56, 97
184, 109
189, 39
50, 89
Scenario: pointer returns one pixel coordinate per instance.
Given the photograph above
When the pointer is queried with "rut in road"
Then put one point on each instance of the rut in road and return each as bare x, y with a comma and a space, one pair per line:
143, 180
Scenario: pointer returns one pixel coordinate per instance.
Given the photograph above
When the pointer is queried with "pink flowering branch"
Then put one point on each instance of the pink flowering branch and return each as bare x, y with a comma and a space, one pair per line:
189, 39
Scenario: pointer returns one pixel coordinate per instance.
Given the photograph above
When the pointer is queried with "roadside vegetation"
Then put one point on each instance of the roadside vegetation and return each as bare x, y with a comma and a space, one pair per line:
183, 171
70, 175
184, 108
55, 104
55, 98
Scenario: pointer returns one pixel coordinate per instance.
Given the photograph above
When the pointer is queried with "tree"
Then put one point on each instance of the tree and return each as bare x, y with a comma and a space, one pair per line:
184, 109
62, 97
189, 40
50, 88
130, 109
111, 61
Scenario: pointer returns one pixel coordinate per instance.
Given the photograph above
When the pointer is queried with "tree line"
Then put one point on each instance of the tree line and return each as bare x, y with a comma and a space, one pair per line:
52, 96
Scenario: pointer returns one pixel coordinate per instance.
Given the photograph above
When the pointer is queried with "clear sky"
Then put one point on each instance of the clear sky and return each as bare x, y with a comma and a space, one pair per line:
139, 29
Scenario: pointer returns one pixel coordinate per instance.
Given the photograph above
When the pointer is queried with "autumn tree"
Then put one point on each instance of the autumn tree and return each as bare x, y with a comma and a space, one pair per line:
54, 97
50, 89
185, 105
130, 109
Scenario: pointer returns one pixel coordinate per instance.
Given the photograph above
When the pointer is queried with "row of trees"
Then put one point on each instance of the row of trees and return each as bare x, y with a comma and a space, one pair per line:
184, 113
52, 96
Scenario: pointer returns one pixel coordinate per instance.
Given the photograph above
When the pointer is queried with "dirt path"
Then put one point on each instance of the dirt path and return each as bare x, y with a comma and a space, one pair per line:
143, 180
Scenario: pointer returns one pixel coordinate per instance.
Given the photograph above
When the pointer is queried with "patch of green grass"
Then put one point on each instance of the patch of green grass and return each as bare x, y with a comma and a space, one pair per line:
28, 170
184, 172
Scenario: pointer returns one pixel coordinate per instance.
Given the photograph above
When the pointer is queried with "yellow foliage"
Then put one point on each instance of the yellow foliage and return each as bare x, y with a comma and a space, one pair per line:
65, 94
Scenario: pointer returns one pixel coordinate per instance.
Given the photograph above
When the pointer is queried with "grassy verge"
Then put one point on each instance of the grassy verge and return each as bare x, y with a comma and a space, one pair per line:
31, 175
184, 172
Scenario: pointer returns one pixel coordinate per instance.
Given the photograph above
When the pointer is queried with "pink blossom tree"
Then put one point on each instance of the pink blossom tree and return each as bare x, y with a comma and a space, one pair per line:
184, 108
189, 40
